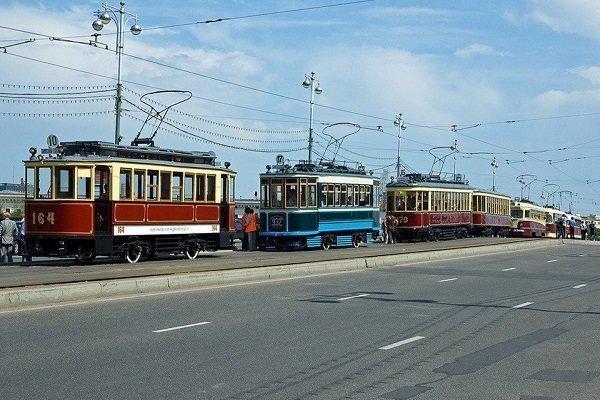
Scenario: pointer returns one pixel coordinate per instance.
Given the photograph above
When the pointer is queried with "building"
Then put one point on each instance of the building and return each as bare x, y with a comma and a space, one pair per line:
12, 197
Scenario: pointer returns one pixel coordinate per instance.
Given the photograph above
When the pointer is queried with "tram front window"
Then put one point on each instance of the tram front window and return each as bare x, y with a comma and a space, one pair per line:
44, 183
516, 213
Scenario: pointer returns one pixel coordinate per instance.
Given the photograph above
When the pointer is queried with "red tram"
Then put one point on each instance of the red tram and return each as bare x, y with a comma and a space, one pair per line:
429, 208
91, 198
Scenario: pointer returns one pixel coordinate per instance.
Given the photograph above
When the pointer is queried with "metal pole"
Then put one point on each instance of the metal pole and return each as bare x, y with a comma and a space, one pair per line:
118, 100
310, 128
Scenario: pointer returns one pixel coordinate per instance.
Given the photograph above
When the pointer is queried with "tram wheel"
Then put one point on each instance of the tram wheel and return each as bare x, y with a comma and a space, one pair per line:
88, 257
355, 241
192, 252
326, 243
133, 253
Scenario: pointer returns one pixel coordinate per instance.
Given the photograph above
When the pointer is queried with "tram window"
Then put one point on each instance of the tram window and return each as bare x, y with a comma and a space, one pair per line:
177, 186
200, 187
401, 202
336, 195
152, 187
362, 201
84, 183
65, 183
343, 195
44, 183
356, 195
139, 177
291, 192
303, 192
224, 188
425, 199
264, 193
231, 195
350, 196
101, 183
367, 195
125, 184
276, 193
188, 187
211, 187
330, 192
312, 195
165, 185
411, 201
29, 182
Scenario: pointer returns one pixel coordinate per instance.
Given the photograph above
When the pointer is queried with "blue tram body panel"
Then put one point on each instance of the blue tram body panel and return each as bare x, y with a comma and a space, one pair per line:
310, 206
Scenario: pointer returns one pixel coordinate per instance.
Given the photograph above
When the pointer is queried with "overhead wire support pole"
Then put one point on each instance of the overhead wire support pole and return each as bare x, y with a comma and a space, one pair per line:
400, 124
104, 17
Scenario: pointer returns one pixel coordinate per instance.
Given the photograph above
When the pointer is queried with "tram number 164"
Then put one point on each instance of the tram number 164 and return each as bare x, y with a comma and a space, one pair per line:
40, 218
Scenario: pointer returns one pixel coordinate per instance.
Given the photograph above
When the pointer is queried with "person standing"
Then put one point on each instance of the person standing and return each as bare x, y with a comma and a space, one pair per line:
391, 223
245, 220
572, 225
592, 230
252, 229
8, 233
583, 230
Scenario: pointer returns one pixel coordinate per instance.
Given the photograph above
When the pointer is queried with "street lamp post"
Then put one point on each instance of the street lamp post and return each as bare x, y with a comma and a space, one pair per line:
400, 124
104, 17
494, 165
309, 83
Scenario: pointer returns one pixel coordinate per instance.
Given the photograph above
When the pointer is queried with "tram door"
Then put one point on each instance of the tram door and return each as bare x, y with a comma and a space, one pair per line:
101, 199
227, 207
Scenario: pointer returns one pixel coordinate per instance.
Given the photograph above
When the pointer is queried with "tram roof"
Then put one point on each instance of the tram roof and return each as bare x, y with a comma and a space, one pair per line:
430, 181
320, 169
85, 150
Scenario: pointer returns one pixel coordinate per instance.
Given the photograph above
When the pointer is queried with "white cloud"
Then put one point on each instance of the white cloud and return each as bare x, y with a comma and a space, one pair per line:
581, 17
478, 49
592, 74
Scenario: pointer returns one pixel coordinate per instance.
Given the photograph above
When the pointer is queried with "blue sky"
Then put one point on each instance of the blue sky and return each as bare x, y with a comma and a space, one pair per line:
514, 80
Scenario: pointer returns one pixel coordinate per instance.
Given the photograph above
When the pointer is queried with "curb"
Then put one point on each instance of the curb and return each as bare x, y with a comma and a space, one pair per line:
62, 293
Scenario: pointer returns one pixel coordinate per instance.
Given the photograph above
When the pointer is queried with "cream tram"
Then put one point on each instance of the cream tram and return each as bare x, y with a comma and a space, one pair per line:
89, 198
317, 205
528, 219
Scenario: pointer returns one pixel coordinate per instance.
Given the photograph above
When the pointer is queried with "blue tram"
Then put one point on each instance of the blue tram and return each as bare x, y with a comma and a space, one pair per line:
317, 205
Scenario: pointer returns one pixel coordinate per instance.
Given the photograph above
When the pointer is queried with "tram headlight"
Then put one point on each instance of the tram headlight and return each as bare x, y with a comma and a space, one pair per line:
40, 157
227, 164
33, 152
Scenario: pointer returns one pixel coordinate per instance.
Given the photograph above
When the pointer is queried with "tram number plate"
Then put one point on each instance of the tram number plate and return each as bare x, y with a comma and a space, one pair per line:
40, 218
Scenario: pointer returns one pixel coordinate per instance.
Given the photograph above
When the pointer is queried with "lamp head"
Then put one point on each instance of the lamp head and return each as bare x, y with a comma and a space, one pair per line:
306, 83
104, 18
135, 29
97, 25
318, 89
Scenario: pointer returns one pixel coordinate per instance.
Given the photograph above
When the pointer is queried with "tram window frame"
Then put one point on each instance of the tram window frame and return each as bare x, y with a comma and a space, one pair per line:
224, 188
264, 193
64, 178
336, 195
30, 182
139, 184
343, 195
231, 191
188, 187
425, 201
101, 182
276, 193
291, 192
303, 194
312, 193
84, 183
211, 188
48, 176
368, 192
165, 186
201, 187
350, 196
329, 195
152, 184
125, 183
176, 186
411, 200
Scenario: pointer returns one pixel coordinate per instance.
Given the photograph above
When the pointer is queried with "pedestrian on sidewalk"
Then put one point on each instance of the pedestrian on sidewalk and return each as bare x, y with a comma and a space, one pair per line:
8, 234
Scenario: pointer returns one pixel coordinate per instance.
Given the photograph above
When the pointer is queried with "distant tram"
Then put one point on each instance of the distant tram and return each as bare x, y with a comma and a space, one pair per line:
429, 208
528, 219
317, 205
90, 198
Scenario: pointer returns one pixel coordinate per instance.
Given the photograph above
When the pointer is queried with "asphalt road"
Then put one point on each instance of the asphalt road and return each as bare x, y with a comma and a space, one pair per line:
523, 325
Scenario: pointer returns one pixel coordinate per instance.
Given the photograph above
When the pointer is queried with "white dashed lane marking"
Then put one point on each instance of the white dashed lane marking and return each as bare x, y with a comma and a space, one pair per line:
523, 305
549, 261
508, 269
180, 327
447, 280
580, 286
402, 342
352, 297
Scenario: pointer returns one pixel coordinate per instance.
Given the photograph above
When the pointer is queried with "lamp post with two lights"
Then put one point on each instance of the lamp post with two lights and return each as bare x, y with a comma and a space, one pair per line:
309, 83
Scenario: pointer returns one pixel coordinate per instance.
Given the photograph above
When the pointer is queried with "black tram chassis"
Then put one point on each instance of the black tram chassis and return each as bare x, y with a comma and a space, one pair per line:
432, 233
108, 245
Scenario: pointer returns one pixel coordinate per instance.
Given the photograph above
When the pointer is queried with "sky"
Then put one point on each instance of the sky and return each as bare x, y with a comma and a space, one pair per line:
514, 81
